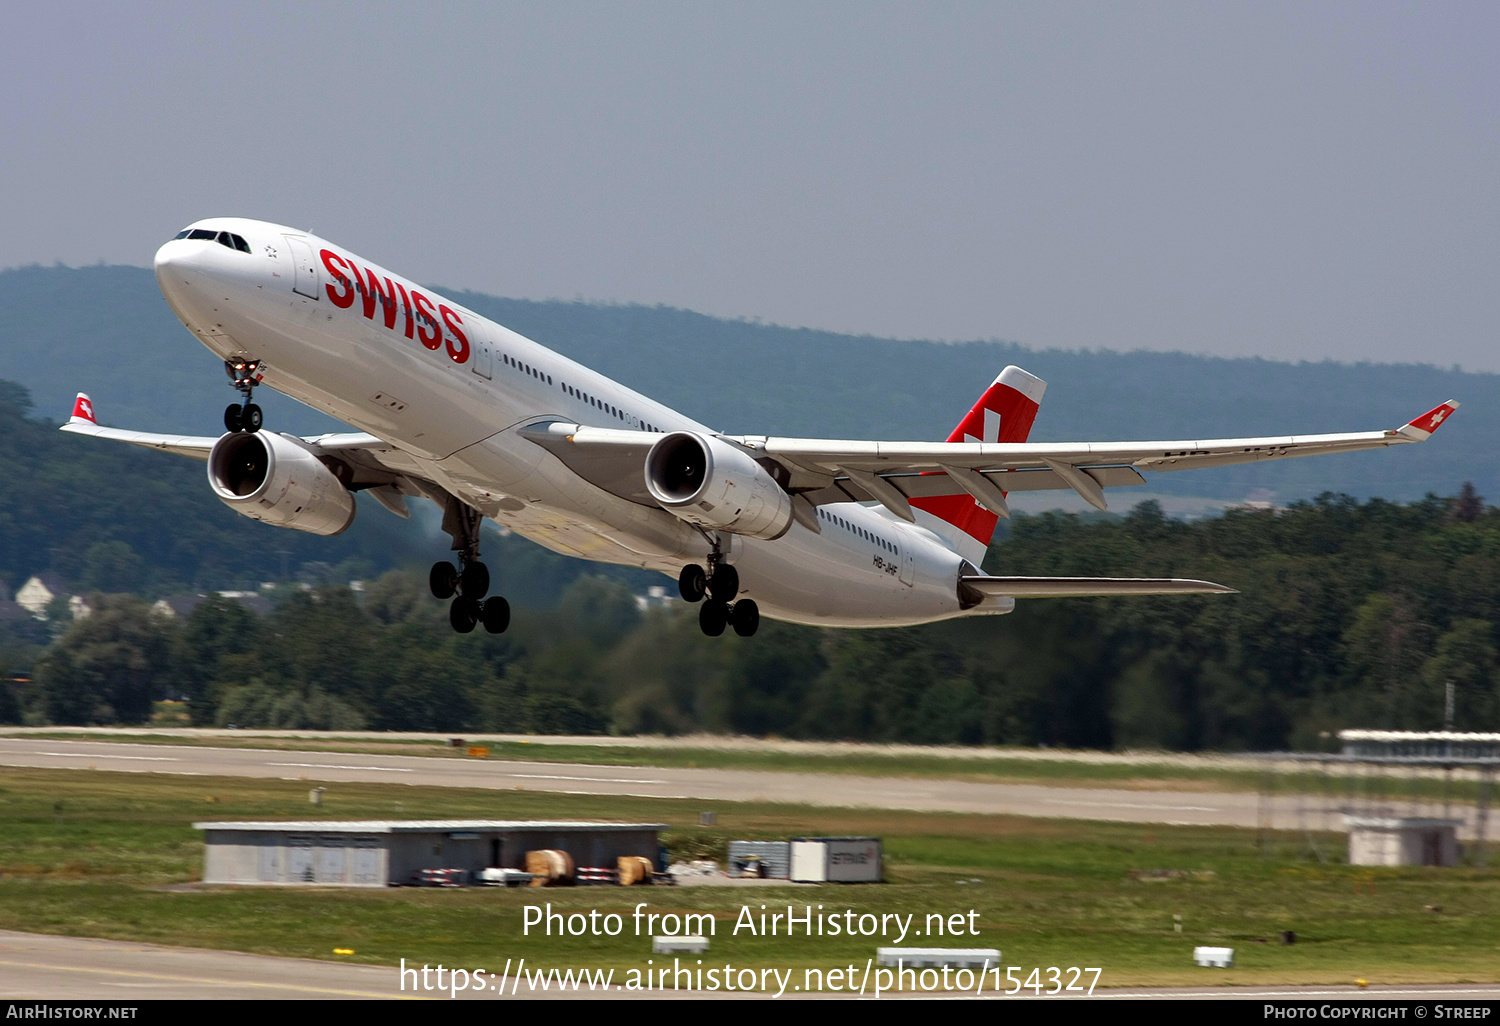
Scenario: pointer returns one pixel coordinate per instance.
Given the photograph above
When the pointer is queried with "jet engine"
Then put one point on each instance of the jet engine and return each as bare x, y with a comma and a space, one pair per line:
708, 482
272, 478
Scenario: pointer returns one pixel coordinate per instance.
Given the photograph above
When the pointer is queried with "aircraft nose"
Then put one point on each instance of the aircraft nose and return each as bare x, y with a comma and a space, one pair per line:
179, 276
172, 260
173, 263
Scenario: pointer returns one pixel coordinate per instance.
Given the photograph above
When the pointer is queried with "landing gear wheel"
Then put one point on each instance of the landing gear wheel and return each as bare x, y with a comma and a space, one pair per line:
745, 617
474, 581
713, 617
725, 583
251, 418
232, 418
443, 580
463, 614
692, 582
495, 615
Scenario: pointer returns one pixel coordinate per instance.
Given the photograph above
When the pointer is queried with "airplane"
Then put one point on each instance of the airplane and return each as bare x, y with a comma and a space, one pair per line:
486, 423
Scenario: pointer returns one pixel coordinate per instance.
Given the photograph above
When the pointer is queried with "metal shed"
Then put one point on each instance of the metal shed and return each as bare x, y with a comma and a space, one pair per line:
381, 853
1402, 841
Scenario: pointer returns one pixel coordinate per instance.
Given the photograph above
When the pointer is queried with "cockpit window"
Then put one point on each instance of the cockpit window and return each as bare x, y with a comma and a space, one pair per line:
229, 240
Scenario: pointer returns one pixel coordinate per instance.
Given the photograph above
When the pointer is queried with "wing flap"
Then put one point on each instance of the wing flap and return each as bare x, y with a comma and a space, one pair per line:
919, 486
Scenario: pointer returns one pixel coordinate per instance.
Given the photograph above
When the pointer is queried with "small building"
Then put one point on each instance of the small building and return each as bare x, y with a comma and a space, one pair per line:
38, 592
835, 860
773, 859
177, 607
1402, 841
389, 853
1435, 746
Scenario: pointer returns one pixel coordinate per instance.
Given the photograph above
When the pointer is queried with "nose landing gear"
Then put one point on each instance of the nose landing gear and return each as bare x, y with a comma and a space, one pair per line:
243, 375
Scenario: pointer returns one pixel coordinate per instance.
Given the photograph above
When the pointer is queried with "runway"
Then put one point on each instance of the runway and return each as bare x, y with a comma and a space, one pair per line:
708, 785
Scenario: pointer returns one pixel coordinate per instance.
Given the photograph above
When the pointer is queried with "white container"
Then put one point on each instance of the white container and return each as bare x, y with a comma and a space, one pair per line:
1217, 958
497, 877
679, 945
937, 958
809, 861
836, 860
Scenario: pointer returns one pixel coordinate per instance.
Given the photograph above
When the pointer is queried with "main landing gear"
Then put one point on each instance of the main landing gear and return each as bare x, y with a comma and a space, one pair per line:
243, 375
468, 582
719, 584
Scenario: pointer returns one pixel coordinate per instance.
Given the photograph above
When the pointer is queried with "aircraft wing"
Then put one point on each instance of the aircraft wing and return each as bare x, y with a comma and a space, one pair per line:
362, 461
890, 472
193, 446
1068, 587
610, 458
828, 471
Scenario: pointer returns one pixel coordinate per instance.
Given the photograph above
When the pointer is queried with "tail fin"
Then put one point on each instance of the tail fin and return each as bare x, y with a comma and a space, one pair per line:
1004, 413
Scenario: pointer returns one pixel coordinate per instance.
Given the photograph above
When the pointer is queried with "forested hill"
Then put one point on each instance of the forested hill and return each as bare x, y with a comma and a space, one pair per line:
107, 331
1348, 615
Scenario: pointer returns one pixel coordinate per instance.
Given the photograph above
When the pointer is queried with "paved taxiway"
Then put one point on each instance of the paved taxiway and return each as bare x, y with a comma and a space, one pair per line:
39, 967
708, 785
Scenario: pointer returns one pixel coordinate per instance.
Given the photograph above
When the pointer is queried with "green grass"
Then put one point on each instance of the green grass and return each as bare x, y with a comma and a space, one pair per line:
96, 854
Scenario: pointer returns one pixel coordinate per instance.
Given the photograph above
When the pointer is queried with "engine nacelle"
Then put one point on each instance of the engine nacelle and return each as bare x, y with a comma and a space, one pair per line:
715, 485
271, 478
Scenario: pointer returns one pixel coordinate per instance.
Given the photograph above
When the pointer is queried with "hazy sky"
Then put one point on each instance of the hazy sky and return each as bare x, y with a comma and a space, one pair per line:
1301, 180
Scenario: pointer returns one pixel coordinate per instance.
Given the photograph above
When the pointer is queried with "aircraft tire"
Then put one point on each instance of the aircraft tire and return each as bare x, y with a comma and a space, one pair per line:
474, 582
745, 617
463, 614
443, 580
495, 615
692, 582
725, 583
232, 419
252, 418
713, 617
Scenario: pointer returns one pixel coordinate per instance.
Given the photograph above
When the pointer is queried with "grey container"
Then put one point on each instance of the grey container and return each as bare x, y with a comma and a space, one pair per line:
775, 857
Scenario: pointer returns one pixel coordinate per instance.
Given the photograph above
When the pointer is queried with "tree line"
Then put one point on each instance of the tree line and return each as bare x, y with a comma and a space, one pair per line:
1349, 614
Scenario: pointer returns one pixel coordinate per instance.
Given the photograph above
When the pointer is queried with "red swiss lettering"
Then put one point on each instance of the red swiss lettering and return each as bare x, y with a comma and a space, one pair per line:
430, 334
405, 305
458, 345
385, 296
344, 295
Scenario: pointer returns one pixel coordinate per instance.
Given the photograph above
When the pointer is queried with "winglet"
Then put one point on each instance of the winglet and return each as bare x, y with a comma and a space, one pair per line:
83, 411
1422, 428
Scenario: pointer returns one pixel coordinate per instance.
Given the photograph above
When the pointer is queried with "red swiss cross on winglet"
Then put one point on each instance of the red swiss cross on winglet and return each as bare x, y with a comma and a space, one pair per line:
83, 411
1422, 427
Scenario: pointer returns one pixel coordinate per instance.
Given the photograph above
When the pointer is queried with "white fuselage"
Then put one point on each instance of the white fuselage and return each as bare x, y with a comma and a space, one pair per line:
450, 390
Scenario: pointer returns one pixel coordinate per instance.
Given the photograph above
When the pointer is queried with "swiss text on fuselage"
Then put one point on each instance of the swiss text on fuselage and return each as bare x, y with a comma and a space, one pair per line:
397, 304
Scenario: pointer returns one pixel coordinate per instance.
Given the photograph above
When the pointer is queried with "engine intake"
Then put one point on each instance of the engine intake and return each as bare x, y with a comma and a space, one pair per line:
271, 478
708, 482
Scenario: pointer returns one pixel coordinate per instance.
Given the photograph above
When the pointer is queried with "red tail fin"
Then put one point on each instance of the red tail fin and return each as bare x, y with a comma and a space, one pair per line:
1004, 413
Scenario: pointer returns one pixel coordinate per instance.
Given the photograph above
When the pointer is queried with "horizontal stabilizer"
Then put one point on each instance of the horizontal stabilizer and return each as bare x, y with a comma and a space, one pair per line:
1069, 587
